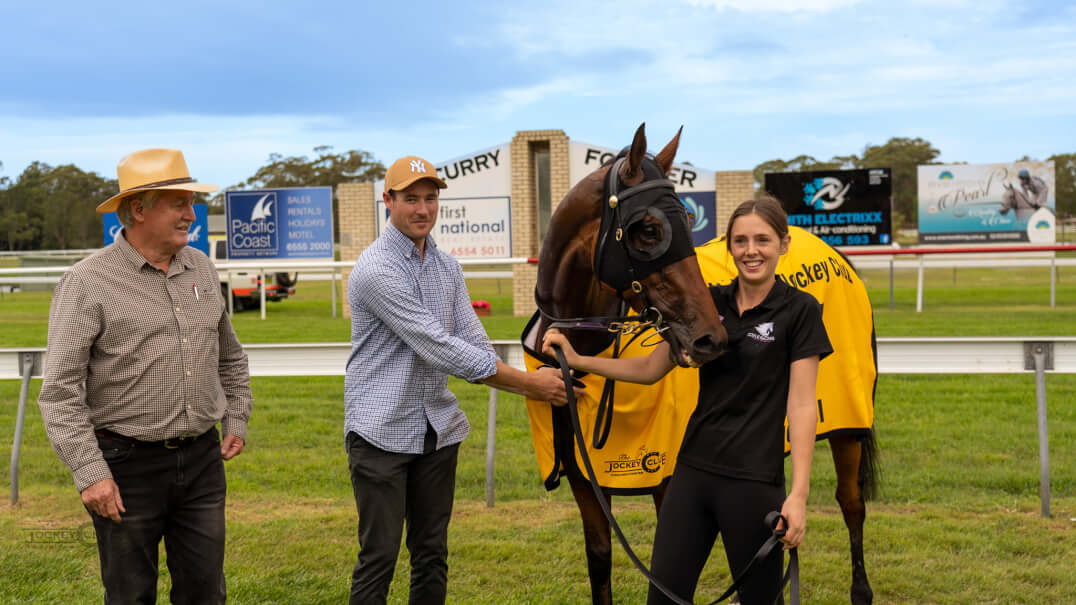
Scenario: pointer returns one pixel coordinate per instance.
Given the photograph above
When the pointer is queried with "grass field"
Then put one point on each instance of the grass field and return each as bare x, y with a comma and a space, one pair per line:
957, 520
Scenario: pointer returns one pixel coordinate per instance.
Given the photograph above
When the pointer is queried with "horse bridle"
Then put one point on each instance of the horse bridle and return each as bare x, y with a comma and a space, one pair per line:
622, 208
620, 266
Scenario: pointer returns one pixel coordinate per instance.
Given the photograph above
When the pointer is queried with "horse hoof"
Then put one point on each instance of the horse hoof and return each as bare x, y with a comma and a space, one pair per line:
862, 596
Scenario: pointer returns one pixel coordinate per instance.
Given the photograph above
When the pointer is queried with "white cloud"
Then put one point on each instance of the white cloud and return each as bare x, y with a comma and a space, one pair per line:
776, 6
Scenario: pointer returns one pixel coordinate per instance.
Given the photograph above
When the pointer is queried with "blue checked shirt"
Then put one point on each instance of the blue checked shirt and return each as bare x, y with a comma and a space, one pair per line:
411, 326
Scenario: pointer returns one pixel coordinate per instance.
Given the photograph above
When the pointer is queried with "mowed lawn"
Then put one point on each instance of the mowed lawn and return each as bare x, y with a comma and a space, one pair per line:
957, 520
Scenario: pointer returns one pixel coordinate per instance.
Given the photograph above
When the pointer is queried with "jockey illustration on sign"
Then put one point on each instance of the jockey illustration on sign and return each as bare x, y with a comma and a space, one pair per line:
1028, 198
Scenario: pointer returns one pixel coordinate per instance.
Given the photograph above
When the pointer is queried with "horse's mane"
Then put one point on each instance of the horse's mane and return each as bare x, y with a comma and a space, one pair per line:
566, 286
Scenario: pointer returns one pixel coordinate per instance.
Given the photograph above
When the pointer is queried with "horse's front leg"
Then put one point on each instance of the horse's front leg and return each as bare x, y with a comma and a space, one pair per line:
598, 545
846, 459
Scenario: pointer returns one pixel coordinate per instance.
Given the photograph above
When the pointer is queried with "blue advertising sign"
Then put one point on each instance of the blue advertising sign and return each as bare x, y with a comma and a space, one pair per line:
197, 237
295, 222
703, 206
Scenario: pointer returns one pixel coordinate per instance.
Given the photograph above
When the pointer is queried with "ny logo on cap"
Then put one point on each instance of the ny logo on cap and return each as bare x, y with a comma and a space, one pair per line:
418, 166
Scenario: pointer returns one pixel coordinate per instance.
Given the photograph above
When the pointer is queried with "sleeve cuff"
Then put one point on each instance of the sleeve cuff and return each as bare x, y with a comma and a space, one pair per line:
91, 473
488, 369
234, 426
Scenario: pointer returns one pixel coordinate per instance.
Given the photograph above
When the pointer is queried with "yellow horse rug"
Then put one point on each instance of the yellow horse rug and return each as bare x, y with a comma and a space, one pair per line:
648, 421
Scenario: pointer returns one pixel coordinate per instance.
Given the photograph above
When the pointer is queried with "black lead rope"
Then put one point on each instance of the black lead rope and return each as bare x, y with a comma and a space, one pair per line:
773, 518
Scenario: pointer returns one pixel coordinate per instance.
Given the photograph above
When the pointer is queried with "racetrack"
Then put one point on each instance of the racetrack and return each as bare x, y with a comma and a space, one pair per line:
956, 522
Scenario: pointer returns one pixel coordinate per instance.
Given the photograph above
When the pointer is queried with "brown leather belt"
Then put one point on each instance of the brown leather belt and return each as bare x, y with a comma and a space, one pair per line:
172, 444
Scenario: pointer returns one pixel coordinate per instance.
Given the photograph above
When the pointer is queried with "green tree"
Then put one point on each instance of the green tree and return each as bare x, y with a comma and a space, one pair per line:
53, 208
801, 163
1065, 183
326, 169
901, 155
16, 230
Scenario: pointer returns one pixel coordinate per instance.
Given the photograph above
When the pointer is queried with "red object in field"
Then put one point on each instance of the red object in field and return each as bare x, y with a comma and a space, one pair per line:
480, 307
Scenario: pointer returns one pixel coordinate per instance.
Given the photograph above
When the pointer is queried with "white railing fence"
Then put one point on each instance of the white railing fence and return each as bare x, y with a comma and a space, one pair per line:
1038, 355
872, 258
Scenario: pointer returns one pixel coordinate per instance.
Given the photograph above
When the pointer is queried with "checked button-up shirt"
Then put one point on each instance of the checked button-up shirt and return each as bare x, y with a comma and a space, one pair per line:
412, 326
143, 353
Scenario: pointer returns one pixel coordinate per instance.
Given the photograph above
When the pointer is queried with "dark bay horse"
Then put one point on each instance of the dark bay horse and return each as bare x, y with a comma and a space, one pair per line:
567, 287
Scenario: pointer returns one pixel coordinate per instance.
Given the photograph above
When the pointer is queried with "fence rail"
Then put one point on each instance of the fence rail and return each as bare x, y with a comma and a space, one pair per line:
867, 258
942, 355
1038, 355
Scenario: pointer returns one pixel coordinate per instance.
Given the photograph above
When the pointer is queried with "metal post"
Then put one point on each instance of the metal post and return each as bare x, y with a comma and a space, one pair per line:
491, 439
1044, 442
231, 301
261, 288
891, 304
27, 370
1053, 279
919, 288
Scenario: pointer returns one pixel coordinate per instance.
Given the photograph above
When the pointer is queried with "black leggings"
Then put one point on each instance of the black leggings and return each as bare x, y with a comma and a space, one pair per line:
700, 505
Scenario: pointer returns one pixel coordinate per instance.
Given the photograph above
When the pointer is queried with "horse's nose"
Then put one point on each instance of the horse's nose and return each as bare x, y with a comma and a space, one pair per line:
706, 348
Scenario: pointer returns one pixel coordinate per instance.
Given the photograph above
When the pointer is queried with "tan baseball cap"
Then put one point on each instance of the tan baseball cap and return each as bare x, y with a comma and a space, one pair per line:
152, 169
408, 170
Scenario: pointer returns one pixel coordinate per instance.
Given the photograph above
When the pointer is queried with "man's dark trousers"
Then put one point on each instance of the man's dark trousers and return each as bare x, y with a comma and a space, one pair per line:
390, 489
177, 494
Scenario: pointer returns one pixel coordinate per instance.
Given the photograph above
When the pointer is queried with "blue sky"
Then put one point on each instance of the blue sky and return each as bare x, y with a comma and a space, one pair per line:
750, 80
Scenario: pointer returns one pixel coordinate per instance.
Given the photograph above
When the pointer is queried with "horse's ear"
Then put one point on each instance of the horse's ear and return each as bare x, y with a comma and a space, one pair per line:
638, 150
665, 158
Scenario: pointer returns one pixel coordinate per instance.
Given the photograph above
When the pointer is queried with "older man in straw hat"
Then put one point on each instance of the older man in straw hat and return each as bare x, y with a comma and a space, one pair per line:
142, 365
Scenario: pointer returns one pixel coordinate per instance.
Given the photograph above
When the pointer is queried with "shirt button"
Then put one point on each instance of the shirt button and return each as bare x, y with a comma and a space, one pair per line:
188, 372
177, 309
184, 341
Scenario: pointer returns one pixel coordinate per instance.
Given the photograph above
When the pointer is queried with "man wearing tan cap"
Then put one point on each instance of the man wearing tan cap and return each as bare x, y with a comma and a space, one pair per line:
142, 364
412, 326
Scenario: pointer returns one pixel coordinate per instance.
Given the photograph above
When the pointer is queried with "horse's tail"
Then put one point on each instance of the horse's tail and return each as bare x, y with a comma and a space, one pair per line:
869, 466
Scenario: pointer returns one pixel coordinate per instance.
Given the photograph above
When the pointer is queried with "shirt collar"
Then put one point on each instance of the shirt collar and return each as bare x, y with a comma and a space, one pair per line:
776, 293
402, 244
133, 256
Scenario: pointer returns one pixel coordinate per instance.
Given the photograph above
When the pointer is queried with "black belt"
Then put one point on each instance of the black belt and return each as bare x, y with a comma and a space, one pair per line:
172, 444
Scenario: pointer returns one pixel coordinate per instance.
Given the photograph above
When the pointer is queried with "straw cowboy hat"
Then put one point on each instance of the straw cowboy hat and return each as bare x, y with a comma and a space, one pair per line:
152, 169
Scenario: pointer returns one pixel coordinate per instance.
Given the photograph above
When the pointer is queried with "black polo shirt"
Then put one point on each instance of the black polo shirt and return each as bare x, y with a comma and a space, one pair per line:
737, 429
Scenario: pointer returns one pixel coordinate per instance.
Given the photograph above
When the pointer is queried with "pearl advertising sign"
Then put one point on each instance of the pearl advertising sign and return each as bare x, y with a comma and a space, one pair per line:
987, 203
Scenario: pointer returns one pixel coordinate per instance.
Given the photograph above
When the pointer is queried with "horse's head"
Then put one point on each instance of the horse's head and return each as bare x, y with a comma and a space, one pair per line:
627, 224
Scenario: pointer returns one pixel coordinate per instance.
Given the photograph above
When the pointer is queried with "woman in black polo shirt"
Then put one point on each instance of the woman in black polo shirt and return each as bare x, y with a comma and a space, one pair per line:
730, 471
